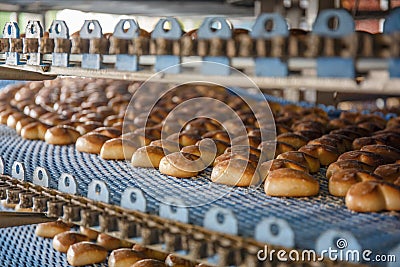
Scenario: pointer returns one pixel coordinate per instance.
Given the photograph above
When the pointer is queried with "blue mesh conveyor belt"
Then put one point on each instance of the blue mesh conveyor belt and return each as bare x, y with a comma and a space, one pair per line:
309, 217
20, 247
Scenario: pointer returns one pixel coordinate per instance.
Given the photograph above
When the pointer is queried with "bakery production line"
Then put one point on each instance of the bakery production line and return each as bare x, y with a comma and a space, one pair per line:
219, 145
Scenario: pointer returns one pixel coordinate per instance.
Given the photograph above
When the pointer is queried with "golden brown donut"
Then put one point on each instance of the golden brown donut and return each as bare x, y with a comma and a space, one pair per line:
108, 131
50, 229
181, 165
118, 149
326, 154
389, 172
235, 172
389, 154
341, 181
292, 139
124, 257
91, 142
85, 253
290, 183
34, 131
149, 263
373, 196
91, 234
148, 156
63, 241
302, 158
369, 158
275, 164
61, 135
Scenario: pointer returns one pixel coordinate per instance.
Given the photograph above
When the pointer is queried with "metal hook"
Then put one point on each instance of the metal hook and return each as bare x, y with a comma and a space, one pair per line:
206, 30
174, 33
87, 33
132, 32
59, 29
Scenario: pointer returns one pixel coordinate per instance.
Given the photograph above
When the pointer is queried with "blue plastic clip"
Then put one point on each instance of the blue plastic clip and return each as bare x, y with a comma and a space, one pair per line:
34, 30
167, 63
392, 25
125, 61
91, 61
270, 66
59, 30
208, 31
336, 67
11, 30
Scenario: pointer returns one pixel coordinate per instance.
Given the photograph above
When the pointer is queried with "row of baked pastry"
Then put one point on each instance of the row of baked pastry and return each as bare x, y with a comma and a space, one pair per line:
86, 247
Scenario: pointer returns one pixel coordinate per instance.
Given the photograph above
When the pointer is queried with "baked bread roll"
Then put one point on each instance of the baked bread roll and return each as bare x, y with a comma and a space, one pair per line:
204, 152
244, 150
184, 138
369, 158
118, 149
63, 241
218, 135
168, 145
91, 234
108, 131
14, 118
235, 172
349, 133
174, 261
50, 229
326, 154
91, 142
344, 140
88, 127
138, 139
220, 145
389, 172
347, 164
150, 253
34, 131
290, 183
341, 181
275, 164
108, 242
302, 158
23, 122
292, 139
149, 263
85, 253
148, 156
61, 135
181, 165
329, 141
253, 141
373, 196
388, 153
309, 134
4, 115
124, 257
252, 159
